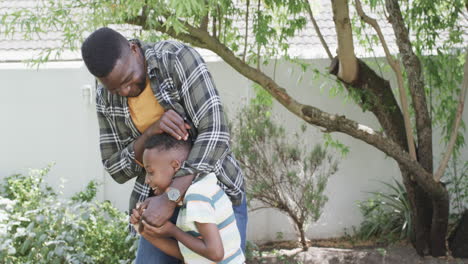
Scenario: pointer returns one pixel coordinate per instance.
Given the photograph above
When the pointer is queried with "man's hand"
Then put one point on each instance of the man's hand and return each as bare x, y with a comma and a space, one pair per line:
166, 230
158, 210
171, 123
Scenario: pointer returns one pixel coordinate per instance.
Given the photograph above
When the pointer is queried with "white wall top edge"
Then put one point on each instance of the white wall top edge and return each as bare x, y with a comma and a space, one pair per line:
47, 65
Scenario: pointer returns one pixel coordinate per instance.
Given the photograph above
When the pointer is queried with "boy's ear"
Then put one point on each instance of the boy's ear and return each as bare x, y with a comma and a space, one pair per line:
175, 164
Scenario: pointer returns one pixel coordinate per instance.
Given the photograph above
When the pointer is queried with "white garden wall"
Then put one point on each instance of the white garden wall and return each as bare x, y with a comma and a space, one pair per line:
46, 116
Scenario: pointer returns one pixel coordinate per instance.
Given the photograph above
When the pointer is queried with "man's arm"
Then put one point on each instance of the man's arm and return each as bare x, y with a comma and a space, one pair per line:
203, 106
120, 160
159, 209
170, 122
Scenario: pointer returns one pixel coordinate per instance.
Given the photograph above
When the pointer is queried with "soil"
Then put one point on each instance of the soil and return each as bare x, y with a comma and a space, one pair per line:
335, 251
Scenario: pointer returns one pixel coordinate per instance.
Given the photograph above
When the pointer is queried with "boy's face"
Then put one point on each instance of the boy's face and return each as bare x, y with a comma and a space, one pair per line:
160, 168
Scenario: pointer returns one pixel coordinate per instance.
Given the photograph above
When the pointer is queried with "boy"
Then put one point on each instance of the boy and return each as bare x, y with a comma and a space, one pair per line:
206, 229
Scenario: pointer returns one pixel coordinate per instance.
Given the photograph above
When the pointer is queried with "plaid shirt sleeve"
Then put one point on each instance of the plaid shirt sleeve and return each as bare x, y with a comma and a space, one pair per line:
117, 153
203, 105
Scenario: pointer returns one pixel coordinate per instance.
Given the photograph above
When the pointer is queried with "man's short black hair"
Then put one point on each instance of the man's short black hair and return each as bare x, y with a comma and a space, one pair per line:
165, 141
102, 49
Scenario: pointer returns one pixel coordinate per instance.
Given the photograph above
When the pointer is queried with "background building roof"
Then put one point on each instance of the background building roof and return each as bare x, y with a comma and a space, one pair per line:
305, 45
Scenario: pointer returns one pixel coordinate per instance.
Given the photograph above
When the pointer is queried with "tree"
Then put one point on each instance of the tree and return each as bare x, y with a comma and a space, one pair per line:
429, 39
281, 173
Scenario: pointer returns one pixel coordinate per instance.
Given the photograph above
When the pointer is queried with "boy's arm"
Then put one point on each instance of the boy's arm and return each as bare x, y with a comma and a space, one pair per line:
209, 245
166, 245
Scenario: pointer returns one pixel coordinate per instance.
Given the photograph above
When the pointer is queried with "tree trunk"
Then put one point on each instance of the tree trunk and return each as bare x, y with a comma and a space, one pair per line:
439, 225
429, 226
421, 214
301, 230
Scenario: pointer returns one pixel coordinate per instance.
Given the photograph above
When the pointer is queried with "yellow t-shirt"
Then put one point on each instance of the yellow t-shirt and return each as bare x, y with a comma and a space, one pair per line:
145, 109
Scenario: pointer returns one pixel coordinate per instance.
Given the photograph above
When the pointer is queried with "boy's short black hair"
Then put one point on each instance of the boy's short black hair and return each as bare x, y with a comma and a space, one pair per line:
165, 141
101, 50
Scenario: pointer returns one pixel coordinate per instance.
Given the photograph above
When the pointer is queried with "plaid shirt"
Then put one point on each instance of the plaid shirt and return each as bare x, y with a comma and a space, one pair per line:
180, 81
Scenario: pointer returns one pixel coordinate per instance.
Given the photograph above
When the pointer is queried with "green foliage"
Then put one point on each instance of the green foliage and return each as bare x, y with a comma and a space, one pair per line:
444, 74
436, 31
251, 251
434, 25
88, 194
272, 23
387, 215
336, 144
456, 178
36, 226
281, 172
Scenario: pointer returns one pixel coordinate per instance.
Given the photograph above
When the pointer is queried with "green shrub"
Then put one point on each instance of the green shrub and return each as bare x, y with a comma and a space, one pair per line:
37, 226
281, 171
387, 215
456, 178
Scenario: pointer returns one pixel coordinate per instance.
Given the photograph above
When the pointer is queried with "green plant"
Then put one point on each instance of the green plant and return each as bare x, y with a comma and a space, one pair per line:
387, 215
382, 251
279, 235
456, 178
88, 194
281, 172
37, 226
251, 251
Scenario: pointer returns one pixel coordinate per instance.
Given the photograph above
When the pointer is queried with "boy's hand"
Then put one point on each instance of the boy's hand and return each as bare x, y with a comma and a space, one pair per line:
135, 217
166, 230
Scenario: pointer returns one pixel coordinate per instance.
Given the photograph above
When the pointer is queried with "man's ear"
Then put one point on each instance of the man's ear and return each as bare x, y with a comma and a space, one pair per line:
175, 164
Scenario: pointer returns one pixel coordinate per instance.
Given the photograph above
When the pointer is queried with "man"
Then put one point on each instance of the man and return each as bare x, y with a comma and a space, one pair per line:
149, 89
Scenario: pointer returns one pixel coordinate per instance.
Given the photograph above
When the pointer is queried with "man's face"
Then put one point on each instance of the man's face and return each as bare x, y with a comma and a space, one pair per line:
128, 77
160, 168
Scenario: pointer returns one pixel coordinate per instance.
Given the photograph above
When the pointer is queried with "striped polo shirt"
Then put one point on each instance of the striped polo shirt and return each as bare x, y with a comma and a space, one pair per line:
206, 202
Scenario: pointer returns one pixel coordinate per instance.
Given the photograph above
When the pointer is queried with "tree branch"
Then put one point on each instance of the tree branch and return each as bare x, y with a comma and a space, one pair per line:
317, 29
246, 30
396, 68
141, 21
251, 210
348, 67
453, 136
258, 45
204, 23
214, 25
416, 84
220, 20
310, 114
314, 115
